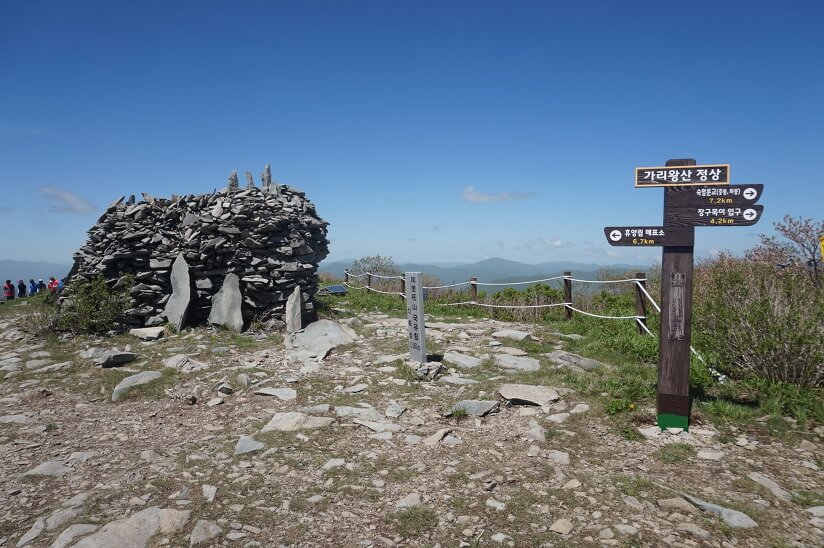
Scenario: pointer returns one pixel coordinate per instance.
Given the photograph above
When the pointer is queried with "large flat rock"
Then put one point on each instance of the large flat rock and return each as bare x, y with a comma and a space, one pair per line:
293, 421
529, 394
564, 358
475, 408
131, 381
314, 343
517, 363
137, 530
513, 334
461, 360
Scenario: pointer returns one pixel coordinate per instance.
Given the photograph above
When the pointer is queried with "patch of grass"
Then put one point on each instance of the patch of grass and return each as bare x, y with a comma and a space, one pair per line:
807, 498
673, 453
412, 522
635, 486
459, 414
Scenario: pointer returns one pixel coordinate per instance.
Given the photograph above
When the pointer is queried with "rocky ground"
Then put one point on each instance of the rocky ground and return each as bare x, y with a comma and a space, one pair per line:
257, 441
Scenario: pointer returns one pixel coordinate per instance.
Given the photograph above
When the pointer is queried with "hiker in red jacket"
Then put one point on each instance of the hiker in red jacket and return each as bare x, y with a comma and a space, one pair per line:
8, 290
53, 283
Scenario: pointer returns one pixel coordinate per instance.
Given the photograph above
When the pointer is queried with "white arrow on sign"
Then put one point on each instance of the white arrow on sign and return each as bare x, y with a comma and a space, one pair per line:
615, 235
750, 214
750, 193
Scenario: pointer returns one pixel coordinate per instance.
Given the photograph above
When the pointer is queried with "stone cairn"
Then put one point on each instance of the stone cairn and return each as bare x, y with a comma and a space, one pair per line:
228, 257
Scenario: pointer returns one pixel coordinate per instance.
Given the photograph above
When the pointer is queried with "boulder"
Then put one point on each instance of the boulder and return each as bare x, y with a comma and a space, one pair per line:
226, 305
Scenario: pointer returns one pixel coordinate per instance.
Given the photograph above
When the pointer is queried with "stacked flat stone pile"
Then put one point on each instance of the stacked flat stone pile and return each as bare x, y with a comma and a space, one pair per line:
259, 242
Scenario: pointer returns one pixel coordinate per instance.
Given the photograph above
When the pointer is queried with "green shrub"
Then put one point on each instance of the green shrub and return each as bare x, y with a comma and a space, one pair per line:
760, 322
91, 307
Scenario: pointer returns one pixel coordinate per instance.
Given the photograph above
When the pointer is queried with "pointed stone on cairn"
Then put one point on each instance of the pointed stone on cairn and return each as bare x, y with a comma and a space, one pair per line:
233, 183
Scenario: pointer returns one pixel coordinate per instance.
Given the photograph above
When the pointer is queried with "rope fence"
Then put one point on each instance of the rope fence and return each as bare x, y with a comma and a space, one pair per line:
639, 282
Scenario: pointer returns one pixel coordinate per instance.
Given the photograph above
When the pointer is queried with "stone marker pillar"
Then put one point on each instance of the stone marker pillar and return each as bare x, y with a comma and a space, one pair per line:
226, 304
293, 311
178, 303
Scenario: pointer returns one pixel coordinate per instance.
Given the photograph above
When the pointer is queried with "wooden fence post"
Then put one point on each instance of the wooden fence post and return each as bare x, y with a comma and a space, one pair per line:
641, 302
403, 287
473, 289
368, 280
346, 276
567, 295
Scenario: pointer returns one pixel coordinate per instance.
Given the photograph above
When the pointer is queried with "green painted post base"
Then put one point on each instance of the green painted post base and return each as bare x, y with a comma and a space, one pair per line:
668, 420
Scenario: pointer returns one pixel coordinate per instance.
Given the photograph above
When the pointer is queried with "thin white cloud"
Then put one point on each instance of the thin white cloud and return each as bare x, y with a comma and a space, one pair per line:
63, 201
471, 195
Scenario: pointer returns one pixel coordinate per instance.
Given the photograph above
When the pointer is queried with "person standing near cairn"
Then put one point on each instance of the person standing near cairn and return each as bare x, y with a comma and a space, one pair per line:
21, 289
8, 291
41, 286
53, 283
32, 288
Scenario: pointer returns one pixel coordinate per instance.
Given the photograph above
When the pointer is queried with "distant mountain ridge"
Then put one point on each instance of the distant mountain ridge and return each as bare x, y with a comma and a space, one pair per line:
26, 270
496, 270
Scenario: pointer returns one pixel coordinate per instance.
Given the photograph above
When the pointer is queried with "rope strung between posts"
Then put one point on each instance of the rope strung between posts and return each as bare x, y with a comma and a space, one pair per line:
378, 276
363, 275
658, 308
648, 296
520, 283
485, 305
445, 286
374, 290
607, 317
603, 281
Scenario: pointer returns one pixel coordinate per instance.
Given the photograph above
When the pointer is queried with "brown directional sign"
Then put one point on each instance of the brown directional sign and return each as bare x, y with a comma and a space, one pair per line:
713, 196
713, 174
714, 215
649, 236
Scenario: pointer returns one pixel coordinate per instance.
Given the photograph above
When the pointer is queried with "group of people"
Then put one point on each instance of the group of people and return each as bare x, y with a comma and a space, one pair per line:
22, 290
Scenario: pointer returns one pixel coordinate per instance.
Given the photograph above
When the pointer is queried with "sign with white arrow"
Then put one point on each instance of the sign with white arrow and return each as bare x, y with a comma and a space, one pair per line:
713, 196
648, 236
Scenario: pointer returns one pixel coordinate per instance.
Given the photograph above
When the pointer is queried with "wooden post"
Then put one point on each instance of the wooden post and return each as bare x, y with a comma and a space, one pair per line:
675, 330
403, 288
368, 280
346, 276
641, 302
567, 295
473, 289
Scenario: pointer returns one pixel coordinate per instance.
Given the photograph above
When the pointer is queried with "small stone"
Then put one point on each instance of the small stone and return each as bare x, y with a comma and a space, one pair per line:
147, 333
495, 505
625, 529
562, 526
558, 457
37, 528
677, 504
284, 394
500, 537
49, 468
579, 408
606, 533
204, 531
209, 492
571, 484
710, 454
333, 463
475, 408
356, 388
247, 444
694, 530
214, 401
436, 438
131, 381
770, 485
410, 500
558, 418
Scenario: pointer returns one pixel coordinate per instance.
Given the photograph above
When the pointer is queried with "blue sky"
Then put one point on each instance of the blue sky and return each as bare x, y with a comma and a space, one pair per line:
427, 131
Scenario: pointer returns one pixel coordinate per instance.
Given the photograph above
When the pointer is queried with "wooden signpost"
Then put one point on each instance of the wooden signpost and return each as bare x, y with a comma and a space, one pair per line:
694, 195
